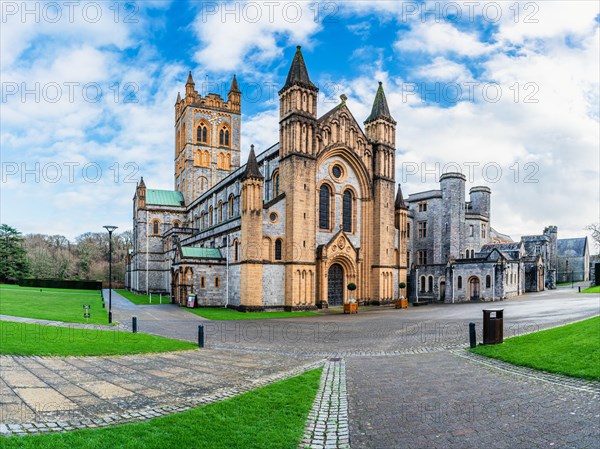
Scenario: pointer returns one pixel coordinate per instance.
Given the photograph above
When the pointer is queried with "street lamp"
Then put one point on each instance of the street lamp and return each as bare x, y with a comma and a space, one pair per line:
110, 230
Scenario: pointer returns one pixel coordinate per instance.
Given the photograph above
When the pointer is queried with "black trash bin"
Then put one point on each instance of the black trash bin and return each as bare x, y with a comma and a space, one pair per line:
493, 326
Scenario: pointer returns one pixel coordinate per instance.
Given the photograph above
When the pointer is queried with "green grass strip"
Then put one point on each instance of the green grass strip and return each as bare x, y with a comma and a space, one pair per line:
272, 417
37, 339
222, 314
52, 304
573, 350
595, 289
143, 300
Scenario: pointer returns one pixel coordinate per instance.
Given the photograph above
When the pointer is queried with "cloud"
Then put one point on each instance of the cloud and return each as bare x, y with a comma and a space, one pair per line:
442, 69
238, 36
434, 38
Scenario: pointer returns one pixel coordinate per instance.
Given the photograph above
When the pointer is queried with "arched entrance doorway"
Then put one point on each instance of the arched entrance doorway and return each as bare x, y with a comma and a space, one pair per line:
474, 288
335, 285
442, 290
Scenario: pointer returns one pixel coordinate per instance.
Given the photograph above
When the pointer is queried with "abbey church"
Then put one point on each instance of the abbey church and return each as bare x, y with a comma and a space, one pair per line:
292, 227
300, 221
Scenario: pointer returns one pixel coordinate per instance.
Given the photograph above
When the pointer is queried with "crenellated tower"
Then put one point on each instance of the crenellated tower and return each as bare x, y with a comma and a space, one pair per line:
380, 129
251, 291
207, 138
298, 159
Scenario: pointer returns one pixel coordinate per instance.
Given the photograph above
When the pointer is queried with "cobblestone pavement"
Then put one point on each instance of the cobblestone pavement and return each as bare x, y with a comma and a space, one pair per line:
327, 423
373, 330
66, 389
441, 400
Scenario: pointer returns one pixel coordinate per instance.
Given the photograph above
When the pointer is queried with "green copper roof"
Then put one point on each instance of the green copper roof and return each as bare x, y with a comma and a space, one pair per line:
206, 253
164, 197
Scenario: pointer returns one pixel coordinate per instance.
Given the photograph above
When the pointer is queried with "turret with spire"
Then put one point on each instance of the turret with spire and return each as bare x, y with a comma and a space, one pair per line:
141, 194
380, 129
251, 235
234, 96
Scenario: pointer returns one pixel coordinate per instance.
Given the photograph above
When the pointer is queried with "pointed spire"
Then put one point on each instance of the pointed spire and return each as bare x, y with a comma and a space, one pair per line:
380, 107
141, 184
234, 86
252, 170
399, 203
190, 80
178, 97
298, 73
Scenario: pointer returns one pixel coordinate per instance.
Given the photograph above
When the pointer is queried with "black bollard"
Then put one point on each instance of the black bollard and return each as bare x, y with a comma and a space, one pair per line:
200, 336
134, 324
579, 288
472, 336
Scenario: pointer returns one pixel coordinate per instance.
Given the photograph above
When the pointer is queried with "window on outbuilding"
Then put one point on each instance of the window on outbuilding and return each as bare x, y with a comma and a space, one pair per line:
488, 281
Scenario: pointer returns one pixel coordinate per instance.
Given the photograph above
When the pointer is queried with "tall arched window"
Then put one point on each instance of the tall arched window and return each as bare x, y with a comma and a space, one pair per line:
222, 137
236, 255
202, 220
210, 216
231, 206
347, 211
226, 137
430, 284
324, 206
275, 184
488, 281
459, 282
220, 212
155, 227
422, 283
278, 249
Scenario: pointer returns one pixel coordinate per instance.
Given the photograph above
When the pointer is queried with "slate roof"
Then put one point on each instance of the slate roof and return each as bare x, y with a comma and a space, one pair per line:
571, 247
298, 73
380, 107
164, 197
201, 253
252, 170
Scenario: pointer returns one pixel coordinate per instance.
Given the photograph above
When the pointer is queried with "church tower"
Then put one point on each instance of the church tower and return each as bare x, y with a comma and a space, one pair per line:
207, 138
297, 153
251, 291
380, 129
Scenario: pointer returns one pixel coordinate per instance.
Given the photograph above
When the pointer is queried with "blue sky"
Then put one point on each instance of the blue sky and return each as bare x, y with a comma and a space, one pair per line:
507, 91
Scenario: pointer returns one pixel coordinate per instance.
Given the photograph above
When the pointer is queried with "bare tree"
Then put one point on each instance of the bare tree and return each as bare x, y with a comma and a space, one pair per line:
594, 228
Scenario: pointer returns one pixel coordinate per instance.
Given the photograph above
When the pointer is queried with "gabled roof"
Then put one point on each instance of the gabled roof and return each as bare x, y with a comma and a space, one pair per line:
298, 73
164, 197
380, 108
571, 247
201, 253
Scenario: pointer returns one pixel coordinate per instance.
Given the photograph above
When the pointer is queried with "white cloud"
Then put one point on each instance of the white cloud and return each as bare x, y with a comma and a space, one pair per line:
238, 35
433, 38
442, 69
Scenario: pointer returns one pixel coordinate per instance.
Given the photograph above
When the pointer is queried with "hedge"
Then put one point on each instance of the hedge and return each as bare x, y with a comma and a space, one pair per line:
61, 283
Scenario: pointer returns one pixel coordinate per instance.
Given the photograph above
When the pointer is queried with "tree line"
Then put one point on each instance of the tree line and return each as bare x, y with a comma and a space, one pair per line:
56, 257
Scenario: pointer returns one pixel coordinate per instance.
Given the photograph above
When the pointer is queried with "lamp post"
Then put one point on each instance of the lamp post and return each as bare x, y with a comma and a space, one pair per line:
110, 230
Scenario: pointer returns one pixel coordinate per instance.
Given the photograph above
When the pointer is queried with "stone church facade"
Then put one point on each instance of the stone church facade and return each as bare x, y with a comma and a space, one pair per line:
290, 229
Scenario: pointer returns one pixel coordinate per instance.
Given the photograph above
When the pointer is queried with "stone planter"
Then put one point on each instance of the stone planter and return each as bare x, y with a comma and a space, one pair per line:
401, 303
350, 308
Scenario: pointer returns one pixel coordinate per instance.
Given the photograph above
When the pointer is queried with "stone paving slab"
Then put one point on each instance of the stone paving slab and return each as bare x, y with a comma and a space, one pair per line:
440, 400
89, 387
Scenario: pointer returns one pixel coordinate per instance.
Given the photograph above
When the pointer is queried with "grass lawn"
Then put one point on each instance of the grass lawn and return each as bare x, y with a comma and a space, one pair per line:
38, 339
142, 299
52, 304
573, 350
221, 314
272, 417
595, 289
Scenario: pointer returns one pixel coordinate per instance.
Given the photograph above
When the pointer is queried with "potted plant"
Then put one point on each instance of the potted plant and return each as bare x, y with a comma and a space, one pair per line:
351, 306
401, 302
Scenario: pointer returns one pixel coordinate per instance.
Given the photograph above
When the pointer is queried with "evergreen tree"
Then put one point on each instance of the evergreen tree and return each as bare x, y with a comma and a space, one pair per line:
13, 257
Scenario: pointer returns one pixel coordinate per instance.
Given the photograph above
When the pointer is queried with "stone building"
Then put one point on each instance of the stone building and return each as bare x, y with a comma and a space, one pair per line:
573, 260
292, 227
455, 254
